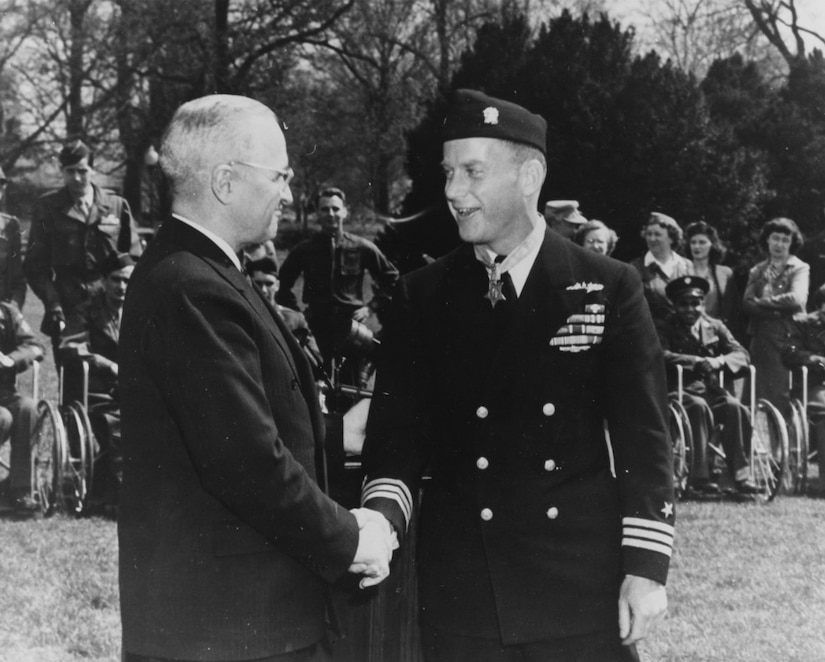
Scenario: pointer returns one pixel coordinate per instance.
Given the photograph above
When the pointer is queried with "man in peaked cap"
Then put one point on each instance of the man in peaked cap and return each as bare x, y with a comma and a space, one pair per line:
501, 367
704, 346
74, 229
564, 216
12, 280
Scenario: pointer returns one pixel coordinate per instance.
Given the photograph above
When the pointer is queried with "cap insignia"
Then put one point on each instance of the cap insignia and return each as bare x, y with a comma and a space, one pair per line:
490, 115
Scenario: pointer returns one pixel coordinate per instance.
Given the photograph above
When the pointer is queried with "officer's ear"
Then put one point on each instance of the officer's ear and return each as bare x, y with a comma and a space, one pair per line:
531, 176
223, 182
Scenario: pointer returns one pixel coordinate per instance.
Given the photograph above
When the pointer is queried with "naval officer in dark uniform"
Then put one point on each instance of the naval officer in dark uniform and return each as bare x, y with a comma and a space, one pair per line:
524, 374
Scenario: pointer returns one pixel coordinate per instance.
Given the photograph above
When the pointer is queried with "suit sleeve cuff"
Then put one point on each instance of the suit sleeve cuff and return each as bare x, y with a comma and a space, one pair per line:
647, 546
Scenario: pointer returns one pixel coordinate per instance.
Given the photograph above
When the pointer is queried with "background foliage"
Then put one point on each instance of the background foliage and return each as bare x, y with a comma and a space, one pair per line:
713, 109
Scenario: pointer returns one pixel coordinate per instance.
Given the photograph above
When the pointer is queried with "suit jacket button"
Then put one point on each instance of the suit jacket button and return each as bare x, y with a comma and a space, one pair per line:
294, 384
548, 409
482, 463
482, 412
549, 465
552, 513
486, 514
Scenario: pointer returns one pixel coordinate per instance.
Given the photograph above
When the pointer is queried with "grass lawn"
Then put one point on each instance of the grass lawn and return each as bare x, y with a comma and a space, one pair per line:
744, 586
745, 583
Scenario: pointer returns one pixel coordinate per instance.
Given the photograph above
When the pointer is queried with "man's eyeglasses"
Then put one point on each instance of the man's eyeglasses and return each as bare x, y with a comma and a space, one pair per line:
287, 174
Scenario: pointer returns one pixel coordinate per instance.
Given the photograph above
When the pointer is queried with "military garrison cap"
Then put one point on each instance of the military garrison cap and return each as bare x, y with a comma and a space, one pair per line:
678, 287
472, 114
116, 262
565, 210
73, 152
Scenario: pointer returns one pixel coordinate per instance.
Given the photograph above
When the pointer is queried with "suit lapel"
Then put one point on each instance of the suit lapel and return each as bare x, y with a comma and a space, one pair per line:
206, 249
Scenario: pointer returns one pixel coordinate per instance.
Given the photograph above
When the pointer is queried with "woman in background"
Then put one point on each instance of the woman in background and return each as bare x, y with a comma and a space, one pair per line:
707, 251
597, 237
661, 264
777, 289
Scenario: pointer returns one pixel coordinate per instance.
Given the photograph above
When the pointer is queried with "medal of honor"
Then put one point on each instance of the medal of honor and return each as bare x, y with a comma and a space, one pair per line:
494, 292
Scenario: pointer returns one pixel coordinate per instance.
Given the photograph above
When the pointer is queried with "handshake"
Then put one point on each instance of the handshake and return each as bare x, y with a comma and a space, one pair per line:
376, 543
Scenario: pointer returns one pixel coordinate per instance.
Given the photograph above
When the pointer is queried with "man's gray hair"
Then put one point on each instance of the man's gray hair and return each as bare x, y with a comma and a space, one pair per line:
204, 132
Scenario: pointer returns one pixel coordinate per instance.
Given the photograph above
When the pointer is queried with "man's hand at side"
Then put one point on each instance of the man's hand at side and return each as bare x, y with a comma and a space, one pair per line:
642, 604
376, 542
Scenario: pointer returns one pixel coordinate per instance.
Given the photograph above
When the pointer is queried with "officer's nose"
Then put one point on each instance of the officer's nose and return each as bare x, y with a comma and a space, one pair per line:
454, 187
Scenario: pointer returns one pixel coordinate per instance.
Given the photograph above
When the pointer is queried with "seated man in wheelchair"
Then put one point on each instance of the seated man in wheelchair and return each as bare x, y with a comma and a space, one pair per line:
18, 413
91, 336
703, 346
806, 347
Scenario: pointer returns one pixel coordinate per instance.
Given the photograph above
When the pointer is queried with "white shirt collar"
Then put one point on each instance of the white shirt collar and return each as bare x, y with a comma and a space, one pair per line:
220, 243
666, 267
521, 259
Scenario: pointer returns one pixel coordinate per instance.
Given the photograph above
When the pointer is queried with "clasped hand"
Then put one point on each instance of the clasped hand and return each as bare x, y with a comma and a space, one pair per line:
376, 542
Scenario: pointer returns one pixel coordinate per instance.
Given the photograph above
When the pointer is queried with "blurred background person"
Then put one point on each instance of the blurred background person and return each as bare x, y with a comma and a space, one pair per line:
777, 289
597, 237
563, 216
806, 347
706, 251
264, 273
333, 264
92, 335
662, 263
703, 346
74, 230
12, 280
18, 413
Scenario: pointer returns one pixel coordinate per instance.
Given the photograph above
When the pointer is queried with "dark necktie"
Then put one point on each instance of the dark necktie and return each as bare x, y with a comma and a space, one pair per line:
507, 287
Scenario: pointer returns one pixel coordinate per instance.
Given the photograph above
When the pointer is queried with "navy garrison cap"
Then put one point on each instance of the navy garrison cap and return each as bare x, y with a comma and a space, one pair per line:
472, 114
678, 287
73, 152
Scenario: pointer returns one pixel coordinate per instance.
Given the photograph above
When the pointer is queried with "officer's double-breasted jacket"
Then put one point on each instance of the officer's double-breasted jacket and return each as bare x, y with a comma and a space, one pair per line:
549, 461
65, 249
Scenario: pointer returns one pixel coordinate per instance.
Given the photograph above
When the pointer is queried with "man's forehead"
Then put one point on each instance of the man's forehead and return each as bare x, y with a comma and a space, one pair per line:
81, 165
472, 148
330, 201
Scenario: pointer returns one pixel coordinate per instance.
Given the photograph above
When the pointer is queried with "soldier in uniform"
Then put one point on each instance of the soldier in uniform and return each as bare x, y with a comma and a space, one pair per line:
92, 333
12, 280
523, 373
333, 264
264, 273
564, 217
805, 346
74, 229
18, 413
704, 346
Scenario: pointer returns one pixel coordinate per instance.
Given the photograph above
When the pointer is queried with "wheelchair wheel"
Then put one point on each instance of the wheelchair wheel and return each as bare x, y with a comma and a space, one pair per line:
682, 443
77, 459
796, 467
769, 450
49, 437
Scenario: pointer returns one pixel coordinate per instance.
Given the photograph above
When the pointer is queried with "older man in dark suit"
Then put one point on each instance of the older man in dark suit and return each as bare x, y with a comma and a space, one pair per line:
525, 373
227, 539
